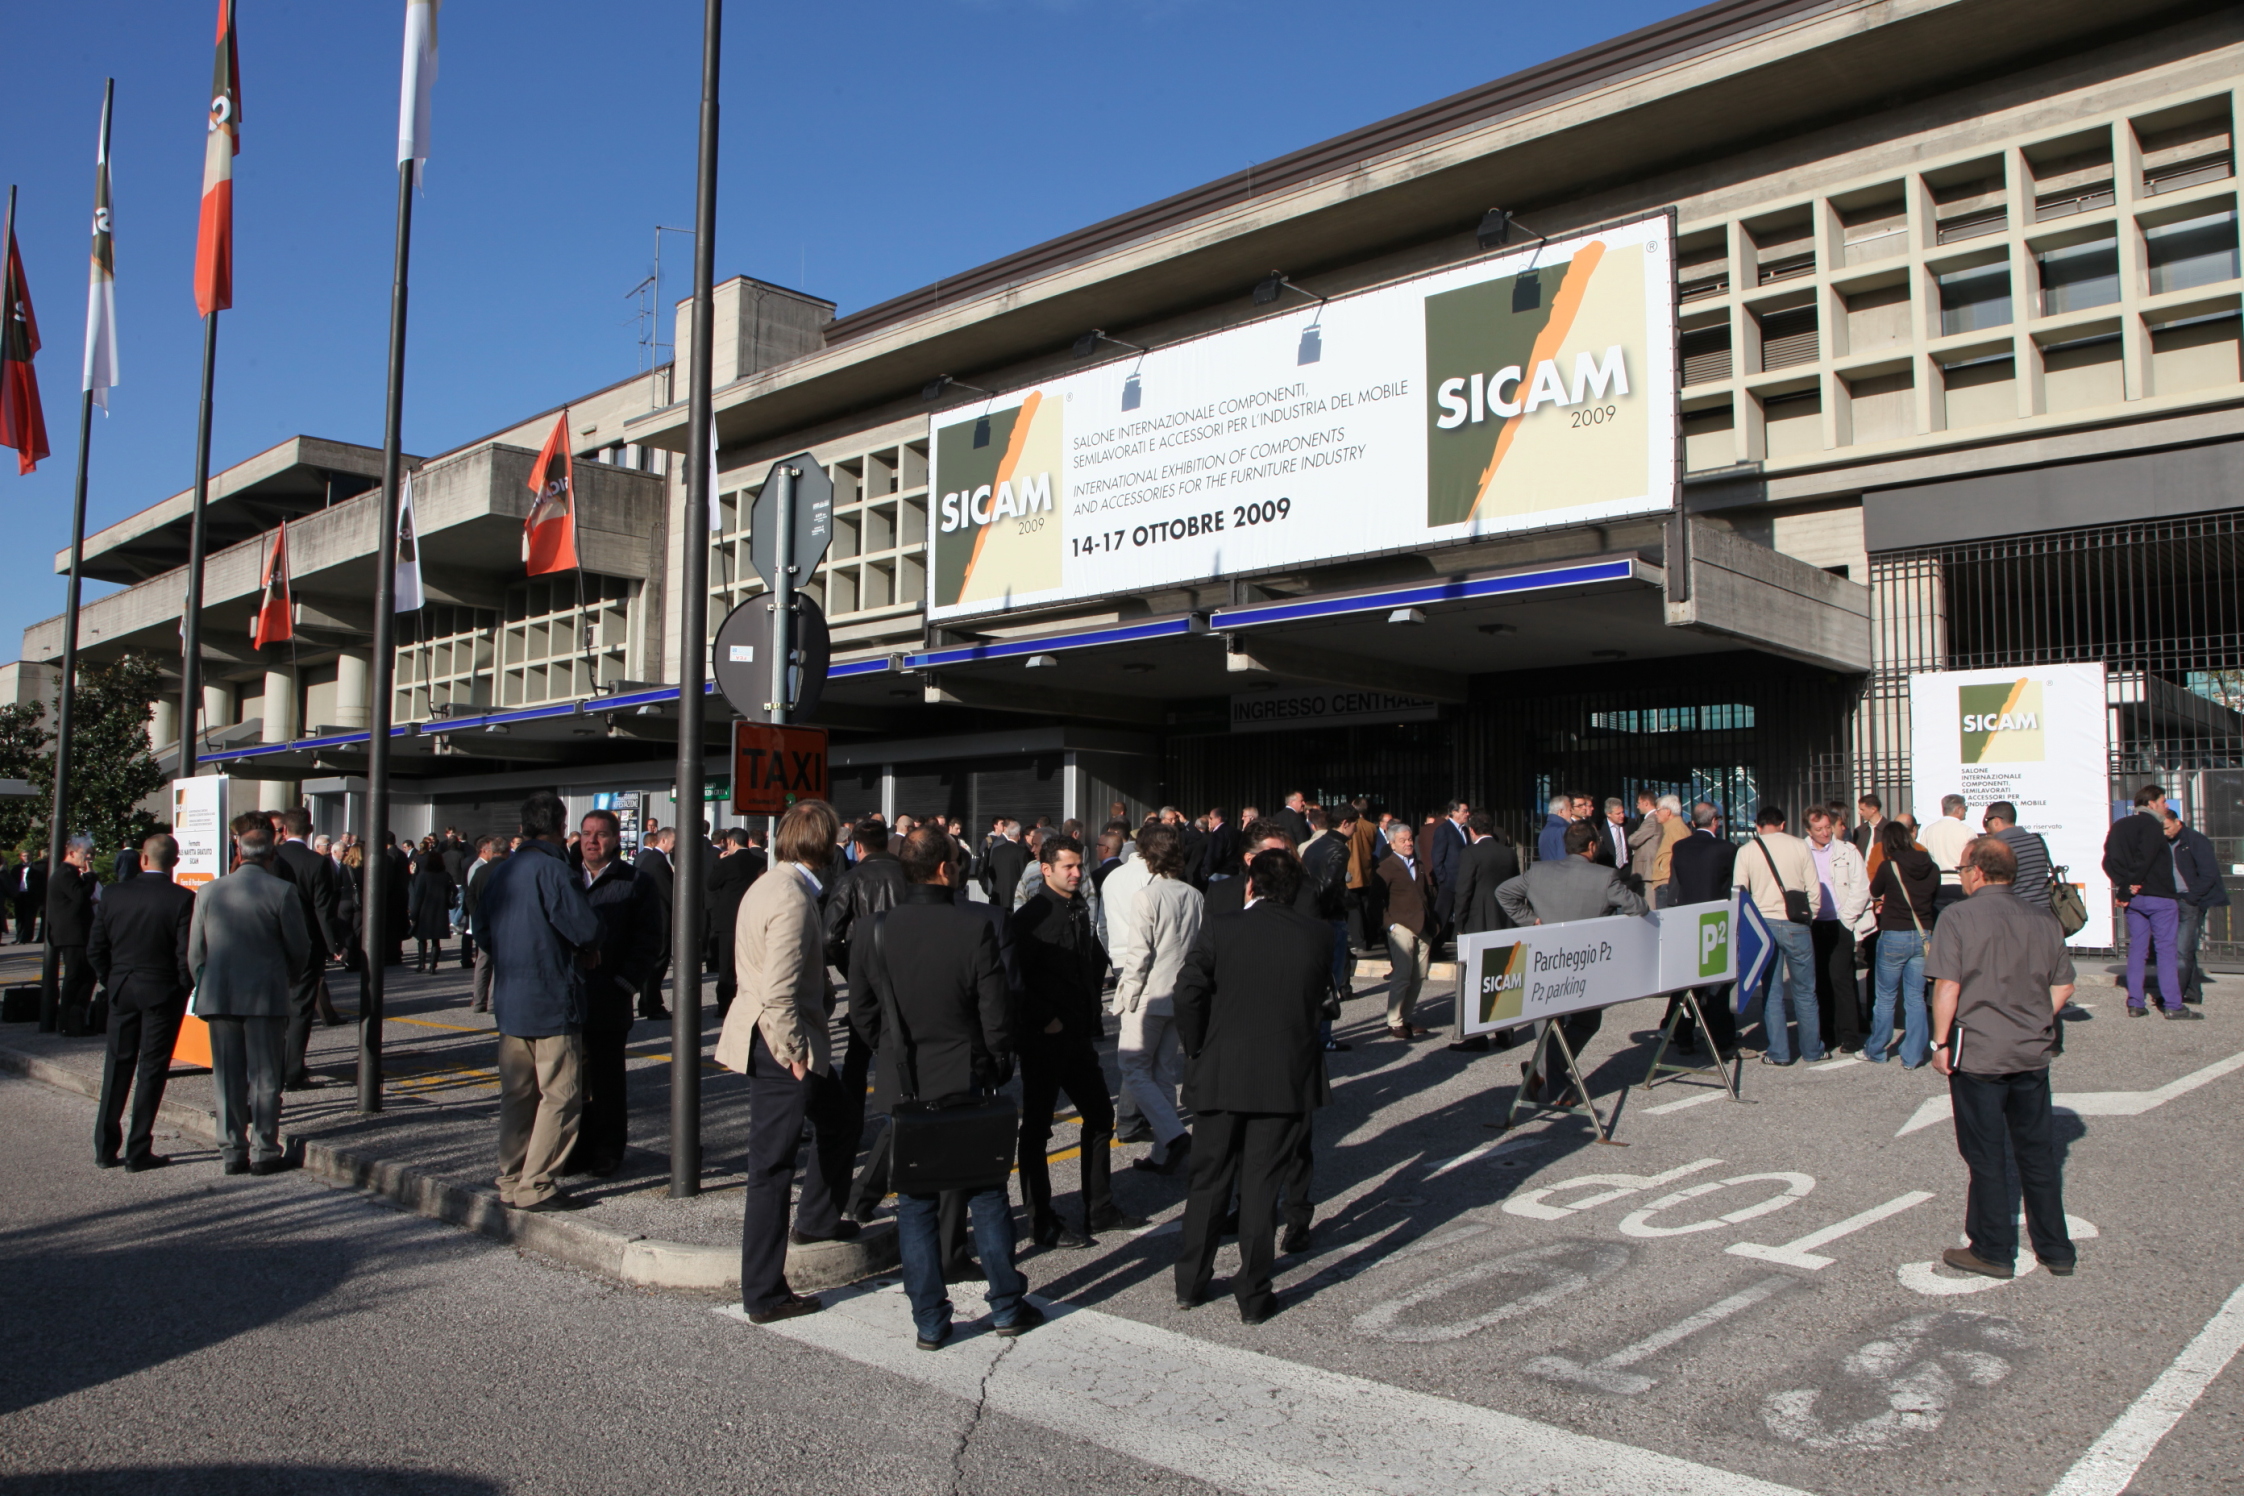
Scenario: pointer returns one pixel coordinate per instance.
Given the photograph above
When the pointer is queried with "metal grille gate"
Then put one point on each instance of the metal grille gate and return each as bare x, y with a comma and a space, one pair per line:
2160, 602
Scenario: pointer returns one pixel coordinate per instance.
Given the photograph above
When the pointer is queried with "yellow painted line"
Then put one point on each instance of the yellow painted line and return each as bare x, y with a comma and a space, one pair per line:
456, 1028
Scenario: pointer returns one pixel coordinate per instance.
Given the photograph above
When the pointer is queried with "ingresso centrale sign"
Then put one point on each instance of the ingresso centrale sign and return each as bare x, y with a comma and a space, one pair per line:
1325, 706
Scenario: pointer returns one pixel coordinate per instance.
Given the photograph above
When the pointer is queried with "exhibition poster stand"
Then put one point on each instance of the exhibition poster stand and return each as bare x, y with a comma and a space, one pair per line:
198, 824
1540, 973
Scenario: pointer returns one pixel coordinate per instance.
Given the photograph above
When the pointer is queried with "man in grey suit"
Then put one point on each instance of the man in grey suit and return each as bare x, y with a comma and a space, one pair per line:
1575, 886
248, 942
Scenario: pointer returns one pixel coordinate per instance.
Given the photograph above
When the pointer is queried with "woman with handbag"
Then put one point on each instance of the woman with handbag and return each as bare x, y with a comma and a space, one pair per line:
776, 1035
1902, 891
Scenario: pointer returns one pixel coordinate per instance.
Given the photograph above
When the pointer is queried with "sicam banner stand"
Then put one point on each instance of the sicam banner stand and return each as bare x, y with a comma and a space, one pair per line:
1748, 932
1539, 973
198, 824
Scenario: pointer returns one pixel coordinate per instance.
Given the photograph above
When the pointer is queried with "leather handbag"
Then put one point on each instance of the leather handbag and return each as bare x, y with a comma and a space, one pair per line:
2067, 903
962, 1142
1797, 909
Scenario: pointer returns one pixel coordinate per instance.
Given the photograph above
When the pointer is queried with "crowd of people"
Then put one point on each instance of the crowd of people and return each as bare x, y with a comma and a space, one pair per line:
1222, 948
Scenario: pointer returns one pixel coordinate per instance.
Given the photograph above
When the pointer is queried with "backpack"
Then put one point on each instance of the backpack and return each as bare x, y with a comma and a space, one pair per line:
2067, 903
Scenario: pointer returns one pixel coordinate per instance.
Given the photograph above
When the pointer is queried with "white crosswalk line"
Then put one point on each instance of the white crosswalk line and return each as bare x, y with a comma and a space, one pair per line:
1244, 1421
1938, 1109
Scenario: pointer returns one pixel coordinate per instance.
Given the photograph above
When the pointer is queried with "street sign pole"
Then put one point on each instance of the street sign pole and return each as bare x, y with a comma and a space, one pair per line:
783, 616
688, 851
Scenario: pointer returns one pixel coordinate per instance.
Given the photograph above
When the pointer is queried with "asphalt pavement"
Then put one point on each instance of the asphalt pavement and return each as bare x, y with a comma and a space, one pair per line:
1741, 1298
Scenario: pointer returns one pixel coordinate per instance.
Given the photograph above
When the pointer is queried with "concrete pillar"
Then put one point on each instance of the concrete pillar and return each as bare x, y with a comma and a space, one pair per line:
352, 671
163, 723
278, 794
218, 706
280, 706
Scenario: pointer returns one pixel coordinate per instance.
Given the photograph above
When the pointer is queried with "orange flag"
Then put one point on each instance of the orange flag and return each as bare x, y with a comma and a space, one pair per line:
549, 531
276, 614
214, 238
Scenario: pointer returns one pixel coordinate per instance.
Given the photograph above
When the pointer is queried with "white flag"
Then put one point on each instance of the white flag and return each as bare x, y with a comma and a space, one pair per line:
408, 582
716, 511
101, 284
417, 84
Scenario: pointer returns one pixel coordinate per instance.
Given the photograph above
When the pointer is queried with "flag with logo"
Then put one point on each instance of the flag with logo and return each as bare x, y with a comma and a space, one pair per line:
23, 422
214, 238
417, 84
101, 282
275, 620
549, 531
408, 569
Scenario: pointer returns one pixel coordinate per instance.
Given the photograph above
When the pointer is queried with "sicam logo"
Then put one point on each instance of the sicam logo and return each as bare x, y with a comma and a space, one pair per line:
1511, 391
2001, 723
1714, 943
1503, 991
979, 506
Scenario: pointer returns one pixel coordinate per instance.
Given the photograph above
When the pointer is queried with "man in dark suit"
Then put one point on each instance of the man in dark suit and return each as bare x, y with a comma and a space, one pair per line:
1482, 868
938, 964
1062, 968
139, 949
70, 911
1293, 816
1003, 865
314, 877
735, 866
1701, 870
27, 892
653, 864
1577, 886
1247, 1007
1411, 927
1446, 841
1219, 854
631, 941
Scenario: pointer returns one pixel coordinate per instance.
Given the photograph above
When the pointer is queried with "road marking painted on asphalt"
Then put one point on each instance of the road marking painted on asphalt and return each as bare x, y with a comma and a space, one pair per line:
1480, 1151
1916, 1369
1619, 1186
1612, 1374
2094, 1103
2111, 1462
1688, 1101
1554, 1272
1800, 1252
1926, 1278
1840, 1063
1639, 1222
1243, 1420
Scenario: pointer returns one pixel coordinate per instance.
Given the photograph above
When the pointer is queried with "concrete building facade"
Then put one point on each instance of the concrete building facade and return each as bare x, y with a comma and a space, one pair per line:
1957, 318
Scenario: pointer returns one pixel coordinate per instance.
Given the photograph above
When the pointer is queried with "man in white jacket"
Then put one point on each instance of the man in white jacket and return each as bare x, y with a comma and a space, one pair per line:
1152, 918
1842, 917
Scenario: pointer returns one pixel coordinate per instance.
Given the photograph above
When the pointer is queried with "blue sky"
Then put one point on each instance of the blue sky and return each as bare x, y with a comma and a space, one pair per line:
857, 141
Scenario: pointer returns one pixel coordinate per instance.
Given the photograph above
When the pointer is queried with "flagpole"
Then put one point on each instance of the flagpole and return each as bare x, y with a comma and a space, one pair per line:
191, 626
377, 900
693, 635
50, 1001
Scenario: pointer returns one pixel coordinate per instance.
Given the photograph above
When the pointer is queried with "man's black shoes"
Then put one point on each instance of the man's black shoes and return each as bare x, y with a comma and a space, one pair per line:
2183, 1013
273, 1165
107, 1161
237, 1166
1058, 1235
1115, 1220
1295, 1240
1138, 1134
844, 1230
794, 1306
150, 1161
559, 1200
1026, 1317
937, 1343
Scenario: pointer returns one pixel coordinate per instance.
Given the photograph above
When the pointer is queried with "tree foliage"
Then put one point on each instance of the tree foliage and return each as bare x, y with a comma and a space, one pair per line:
111, 766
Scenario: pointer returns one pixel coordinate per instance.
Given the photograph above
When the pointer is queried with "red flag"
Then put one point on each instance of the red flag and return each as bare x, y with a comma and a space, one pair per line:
214, 241
23, 423
276, 614
549, 531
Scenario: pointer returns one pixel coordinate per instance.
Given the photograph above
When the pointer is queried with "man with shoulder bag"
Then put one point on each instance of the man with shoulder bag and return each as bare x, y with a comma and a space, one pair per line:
939, 1021
1776, 871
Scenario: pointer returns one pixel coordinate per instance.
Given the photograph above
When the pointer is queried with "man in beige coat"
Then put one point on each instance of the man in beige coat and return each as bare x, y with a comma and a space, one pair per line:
776, 1034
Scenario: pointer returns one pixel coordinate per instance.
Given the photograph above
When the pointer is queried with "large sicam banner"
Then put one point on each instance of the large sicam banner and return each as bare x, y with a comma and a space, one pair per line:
2034, 735
1528, 390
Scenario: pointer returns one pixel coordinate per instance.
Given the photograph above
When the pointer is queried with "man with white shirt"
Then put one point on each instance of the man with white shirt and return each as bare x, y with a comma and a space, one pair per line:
1842, 915
1944, 839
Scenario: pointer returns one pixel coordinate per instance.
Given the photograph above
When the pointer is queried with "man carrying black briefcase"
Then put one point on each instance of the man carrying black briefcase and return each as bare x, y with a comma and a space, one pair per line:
928, 995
